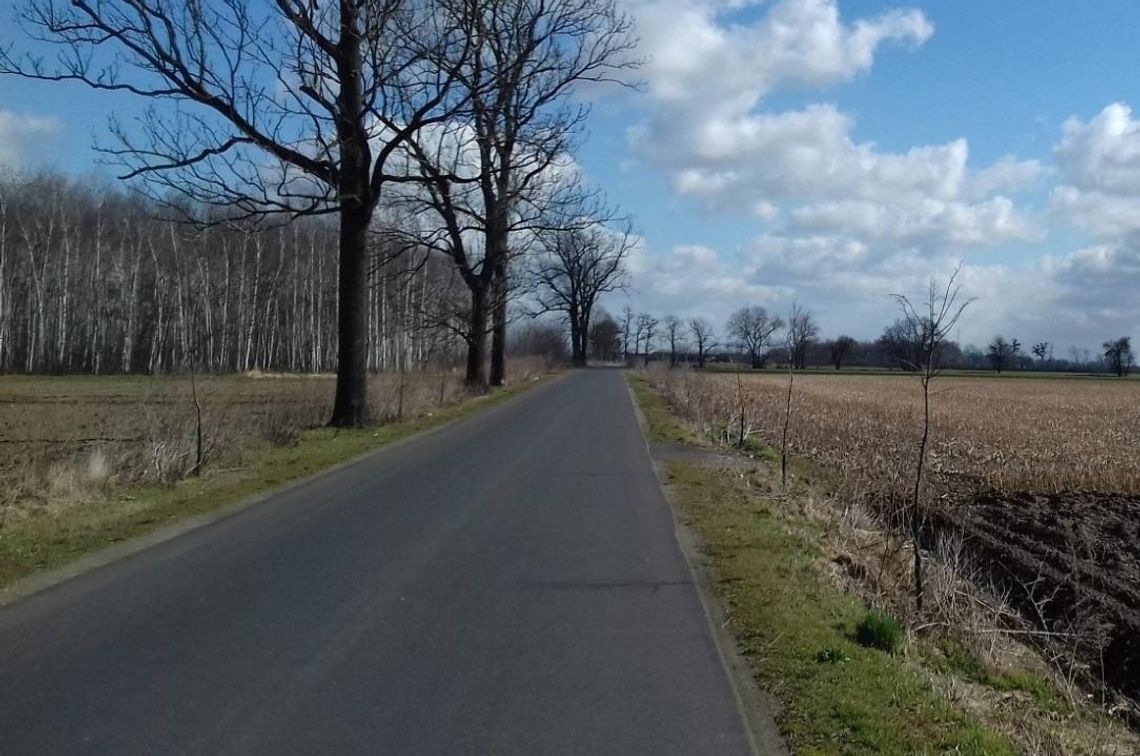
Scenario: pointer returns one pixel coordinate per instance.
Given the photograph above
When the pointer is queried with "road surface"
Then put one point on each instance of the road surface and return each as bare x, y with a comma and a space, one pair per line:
510, 584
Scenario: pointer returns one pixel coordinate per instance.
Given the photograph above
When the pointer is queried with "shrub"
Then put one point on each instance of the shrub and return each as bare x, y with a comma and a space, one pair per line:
879, 630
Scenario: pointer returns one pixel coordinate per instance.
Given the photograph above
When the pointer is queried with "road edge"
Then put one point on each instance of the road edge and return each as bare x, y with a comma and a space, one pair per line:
756, 707
37, 582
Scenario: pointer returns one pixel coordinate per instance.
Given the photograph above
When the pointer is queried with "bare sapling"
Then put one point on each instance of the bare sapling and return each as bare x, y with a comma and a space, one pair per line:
789, 341
929, 325
198, 447
742, 408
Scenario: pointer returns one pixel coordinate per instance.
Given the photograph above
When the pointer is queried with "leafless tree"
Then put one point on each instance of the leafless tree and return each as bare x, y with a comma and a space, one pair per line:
932, 320
802, 333
673, 326
288, 107
627, 324
704, 338
800, 330
841, 350
572, 268
751, 327
1002, 352
646, 329
1118, 355
91, 281
605, 338
495, 172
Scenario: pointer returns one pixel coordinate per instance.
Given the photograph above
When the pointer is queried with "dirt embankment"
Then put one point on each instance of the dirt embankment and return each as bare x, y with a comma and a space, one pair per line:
1071, 566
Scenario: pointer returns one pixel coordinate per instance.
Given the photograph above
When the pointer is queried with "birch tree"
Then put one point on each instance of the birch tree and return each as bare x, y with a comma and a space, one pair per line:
290, 107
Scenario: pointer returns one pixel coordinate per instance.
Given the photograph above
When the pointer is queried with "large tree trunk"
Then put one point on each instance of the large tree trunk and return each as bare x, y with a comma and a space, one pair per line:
351, 405
499, 321
477, 341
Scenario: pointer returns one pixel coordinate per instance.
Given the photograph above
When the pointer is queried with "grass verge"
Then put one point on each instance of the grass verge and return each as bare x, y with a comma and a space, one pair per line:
799, 632
41, 543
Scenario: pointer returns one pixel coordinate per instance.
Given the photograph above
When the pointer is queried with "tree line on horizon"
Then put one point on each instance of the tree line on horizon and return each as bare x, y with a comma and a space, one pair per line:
753, 336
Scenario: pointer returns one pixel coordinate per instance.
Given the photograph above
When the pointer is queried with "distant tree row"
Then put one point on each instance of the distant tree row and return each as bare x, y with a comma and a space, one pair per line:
754, 336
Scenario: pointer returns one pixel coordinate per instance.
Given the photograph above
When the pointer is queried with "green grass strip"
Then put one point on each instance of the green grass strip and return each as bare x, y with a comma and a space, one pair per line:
798, 631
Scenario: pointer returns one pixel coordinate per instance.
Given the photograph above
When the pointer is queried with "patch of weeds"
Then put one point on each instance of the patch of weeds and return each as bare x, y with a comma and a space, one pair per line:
960, 661
832, 656
664, 426
879, 630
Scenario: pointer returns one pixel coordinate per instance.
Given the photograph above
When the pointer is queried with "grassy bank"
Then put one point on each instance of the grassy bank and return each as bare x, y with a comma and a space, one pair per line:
797, 630
118, 513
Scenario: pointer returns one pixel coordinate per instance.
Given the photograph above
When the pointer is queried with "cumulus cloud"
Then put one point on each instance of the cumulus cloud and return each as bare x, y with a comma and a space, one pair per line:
702, 50
22, 137
710, 70
1007, 176
1099, 165
842, 223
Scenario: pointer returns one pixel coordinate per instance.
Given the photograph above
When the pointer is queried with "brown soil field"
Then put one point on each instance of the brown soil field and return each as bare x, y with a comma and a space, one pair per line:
1041, 478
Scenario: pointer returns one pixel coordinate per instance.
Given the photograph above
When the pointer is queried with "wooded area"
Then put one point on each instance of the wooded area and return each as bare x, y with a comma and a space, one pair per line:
462, 112
92, 282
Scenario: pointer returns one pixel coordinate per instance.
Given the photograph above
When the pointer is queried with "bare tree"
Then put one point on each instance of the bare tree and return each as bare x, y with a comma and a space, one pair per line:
703, 336
647, 328
673, 326
1042, 350
605, 338
627, 324
800, 329
1002, 353
932, 320
573, 268
519, 75
841, 350
802, 333
293, 108
751, 327
1118, 355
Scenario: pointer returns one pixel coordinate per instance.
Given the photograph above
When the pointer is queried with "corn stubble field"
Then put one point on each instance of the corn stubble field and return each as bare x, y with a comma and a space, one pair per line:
1039, 478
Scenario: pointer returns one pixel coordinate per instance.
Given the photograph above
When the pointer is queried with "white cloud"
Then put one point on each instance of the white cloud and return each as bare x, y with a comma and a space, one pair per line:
702, 50
925, 196
1007, 176
1099, 165
22, 138
917, 222
712, 63
847, 222
1076, 299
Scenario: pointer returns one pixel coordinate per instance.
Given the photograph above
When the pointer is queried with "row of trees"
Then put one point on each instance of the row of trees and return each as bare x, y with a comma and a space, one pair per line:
457, 116
91, 282
754, 335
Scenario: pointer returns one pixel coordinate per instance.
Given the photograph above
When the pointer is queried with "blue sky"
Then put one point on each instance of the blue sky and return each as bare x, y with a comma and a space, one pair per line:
836, 152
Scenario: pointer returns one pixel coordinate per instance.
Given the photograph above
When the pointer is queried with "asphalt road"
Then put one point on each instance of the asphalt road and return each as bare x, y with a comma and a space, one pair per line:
510, 584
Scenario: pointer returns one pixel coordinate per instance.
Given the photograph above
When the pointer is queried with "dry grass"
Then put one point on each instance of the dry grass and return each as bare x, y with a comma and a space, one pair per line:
854, 440
66, 440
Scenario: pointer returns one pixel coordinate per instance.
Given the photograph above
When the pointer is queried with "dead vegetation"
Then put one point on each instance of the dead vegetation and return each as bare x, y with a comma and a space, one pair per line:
1033, 503
68, 440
